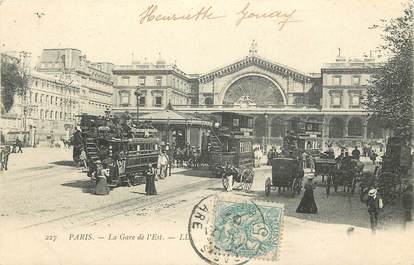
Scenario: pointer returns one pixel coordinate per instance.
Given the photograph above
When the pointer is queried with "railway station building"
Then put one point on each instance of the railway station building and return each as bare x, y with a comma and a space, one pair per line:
278, 97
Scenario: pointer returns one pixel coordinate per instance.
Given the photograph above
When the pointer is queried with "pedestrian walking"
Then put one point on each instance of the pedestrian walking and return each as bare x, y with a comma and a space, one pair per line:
407, 202
150, 181
356, 153
311, 163
374, 204
101, 185
77, 144
19, 145
304, 160
230, 171
162, 165
307, 203
373, 157
83, 158
5, 157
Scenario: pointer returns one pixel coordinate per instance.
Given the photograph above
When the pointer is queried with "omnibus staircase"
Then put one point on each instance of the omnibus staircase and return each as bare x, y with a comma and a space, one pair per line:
216, 151
92, 150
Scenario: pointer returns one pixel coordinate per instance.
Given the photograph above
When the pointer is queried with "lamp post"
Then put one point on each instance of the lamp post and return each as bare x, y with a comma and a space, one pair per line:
137, 94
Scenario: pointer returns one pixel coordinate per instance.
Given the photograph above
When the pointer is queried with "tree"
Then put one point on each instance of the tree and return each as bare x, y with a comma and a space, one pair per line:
390, 99
14, 81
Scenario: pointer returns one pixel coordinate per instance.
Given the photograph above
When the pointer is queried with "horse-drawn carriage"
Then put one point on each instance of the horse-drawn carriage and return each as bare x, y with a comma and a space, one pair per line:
286, 173
125, 149
231, 149
391, 176
345, 173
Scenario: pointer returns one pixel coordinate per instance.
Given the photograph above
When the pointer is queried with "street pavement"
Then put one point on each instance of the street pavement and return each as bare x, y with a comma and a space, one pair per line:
47, 202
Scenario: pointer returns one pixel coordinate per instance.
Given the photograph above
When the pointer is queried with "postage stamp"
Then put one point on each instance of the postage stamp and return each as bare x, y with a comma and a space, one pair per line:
235, 229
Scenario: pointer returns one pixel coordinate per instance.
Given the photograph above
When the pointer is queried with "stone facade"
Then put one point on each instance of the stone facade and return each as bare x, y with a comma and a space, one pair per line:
94, 78
158, 84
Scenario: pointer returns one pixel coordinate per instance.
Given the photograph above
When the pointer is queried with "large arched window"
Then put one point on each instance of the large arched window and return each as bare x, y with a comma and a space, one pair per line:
253, 89
355, 127
336, 128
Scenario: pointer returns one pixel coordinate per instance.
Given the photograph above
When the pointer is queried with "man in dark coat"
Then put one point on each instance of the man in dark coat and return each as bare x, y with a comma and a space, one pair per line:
77, 144
356, 153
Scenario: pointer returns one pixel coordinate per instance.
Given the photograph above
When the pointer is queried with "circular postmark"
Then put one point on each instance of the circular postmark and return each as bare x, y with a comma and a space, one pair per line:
201, 234
232, 230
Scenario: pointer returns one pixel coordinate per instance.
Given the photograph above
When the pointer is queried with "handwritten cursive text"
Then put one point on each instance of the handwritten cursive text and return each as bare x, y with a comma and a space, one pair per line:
281, 17
151, 15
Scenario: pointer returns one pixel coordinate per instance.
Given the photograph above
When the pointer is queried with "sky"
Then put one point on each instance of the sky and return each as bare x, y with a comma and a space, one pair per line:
119, 30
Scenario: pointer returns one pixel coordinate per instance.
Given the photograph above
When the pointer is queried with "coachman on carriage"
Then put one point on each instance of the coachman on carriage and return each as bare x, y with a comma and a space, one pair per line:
231, 149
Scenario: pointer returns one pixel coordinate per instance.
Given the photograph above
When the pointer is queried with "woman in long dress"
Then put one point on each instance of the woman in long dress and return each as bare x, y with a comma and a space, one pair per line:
101, 187
307, 204
150, 181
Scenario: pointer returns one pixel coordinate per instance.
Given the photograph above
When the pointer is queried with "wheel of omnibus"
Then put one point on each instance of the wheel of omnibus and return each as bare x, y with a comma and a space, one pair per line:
268, 185
247, 178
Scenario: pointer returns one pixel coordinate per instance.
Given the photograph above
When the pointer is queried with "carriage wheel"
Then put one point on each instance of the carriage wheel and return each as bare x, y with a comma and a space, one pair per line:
268, 185
247, 178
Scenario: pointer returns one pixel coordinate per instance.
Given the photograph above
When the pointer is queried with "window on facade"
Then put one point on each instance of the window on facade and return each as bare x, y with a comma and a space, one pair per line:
299, 100
356, 80
41, 98
336, 100
236, 123
142, 101
125, 99
60, 115
158, 81
158, 101
336, 81
35, 98
355, 100
142, 81
47, 99
51, 100
208, 101
125, 80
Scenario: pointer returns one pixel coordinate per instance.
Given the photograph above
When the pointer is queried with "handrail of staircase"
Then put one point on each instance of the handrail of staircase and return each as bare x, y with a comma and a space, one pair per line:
218, 139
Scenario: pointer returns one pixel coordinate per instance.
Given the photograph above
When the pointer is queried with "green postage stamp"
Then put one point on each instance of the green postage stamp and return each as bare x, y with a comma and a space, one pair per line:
248, 229
232, 229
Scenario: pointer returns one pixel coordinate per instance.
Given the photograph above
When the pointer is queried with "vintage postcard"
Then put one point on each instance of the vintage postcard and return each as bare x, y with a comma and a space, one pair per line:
206, 132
